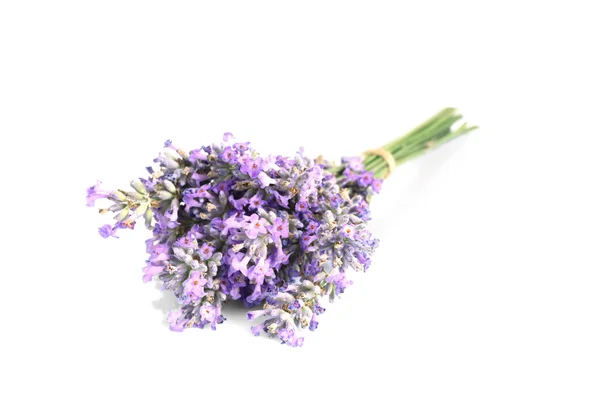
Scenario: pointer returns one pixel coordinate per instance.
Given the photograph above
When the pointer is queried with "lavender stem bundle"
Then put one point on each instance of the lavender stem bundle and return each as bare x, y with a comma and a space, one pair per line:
276, 232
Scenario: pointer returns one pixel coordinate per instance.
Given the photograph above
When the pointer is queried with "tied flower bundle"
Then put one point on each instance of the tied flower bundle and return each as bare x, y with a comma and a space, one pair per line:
277, 232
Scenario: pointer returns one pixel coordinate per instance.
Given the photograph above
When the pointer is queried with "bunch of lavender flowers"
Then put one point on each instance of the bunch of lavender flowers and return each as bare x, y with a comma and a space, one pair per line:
277, 232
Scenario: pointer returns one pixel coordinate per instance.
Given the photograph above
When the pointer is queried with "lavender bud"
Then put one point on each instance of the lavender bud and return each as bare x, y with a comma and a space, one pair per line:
164, 195
140, 210
122, 215
168, 185
135, 196
138, 186
117, 207
148, 217
118, 195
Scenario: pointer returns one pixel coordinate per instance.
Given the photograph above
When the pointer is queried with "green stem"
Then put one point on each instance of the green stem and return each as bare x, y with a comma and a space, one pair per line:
431, 134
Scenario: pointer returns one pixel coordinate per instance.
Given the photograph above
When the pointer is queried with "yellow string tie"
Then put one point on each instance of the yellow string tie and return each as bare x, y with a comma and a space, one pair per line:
387, 156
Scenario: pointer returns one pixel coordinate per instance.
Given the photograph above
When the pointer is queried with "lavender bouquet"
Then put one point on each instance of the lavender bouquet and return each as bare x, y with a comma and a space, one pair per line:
276, 232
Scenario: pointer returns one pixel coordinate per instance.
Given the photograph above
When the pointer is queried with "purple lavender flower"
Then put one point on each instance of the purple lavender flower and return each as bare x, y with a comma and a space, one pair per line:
339, 281
255, 226
93, 194
239, 262
194, 286
302, 206
228, 155
231, 285
377, 185
336, 200
257, 329
289, 337
208, 312
354, 163
265, 180
306, 240
203, 192
152, 269
187, 241
350, 175
229, 225
197, 155
238, 204
223, 186
347, 231
255, 314
126, 224
279, 229
206, 251
159, 254
366, 178
318, 309
227, 137
312, 226
252, 167
295, 305
255, 202
106, 231
242, 147
279, 258
281, 199
258, 272
176, 322
286, 335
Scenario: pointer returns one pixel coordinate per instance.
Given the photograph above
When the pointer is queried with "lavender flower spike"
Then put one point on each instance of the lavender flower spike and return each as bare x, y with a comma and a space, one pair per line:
279, 234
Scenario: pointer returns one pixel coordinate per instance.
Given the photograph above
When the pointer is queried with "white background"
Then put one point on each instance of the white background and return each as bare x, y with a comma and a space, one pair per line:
485, 285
